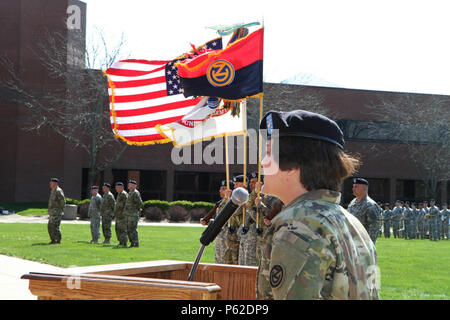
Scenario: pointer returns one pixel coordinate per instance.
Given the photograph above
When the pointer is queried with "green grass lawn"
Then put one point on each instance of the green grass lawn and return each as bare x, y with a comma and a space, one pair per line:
30, 241
410, 269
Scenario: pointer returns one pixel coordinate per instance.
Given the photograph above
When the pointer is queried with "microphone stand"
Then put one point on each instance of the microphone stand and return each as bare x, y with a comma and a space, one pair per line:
196, 262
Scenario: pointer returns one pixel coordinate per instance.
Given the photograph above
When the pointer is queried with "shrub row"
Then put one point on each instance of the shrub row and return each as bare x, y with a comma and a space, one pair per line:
159, 210
176, 211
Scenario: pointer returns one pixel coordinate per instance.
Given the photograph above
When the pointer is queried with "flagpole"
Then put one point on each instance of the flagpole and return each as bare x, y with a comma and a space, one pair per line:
259, 154
227, 173
244, 119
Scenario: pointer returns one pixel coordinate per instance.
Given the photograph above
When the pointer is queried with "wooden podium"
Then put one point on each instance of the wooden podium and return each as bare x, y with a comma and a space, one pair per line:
152, 280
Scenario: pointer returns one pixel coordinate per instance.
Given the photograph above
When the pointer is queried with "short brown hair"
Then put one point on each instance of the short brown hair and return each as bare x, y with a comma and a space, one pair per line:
322, 165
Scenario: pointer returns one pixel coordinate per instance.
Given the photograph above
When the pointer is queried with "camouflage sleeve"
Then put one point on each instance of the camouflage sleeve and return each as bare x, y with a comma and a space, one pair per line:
251, 199
137, 201
120, 203
372, 213
60, 199
112, 203
98, 203
298, 265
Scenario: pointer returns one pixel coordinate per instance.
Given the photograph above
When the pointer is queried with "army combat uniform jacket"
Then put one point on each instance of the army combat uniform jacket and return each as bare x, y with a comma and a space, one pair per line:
94, 207
108, 205
368, 213
121, 220
56, 202
315, 249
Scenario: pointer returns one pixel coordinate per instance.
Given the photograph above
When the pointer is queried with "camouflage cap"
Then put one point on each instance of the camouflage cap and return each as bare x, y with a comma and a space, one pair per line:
106, 184
54, 179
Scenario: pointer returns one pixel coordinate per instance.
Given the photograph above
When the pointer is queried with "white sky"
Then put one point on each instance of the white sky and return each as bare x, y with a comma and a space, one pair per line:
391, 45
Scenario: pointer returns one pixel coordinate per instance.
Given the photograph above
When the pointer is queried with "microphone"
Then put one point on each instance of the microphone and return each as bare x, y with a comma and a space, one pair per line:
238, 198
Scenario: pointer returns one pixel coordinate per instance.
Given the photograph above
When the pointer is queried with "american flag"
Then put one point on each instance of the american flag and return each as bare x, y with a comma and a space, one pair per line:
143, 94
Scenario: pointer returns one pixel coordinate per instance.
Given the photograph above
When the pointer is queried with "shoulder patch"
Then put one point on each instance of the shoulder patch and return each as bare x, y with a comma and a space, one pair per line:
276, 275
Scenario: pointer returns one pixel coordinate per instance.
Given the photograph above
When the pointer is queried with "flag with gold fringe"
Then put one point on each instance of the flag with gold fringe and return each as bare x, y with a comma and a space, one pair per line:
146, 93
234, 73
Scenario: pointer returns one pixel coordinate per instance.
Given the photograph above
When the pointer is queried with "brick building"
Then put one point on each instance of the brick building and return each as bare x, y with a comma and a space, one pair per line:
29, 159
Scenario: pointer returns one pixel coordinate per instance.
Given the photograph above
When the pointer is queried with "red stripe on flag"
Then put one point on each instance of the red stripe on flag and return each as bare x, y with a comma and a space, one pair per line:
138, 83
147, 124
151, 62
139, 97
145, 138
131, 73
160, 108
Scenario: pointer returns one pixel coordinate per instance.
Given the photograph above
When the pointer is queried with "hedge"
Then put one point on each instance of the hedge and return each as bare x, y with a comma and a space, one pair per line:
169, 210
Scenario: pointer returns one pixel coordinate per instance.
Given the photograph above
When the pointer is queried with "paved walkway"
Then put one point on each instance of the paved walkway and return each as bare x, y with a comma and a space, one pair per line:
11, 268
15, 218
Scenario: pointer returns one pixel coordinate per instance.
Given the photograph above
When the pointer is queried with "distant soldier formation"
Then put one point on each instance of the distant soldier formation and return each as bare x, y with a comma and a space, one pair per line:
410, 221
102, 211
125, 210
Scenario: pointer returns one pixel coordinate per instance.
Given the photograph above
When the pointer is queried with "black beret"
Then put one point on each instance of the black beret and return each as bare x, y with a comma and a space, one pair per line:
239, 178
223, 183
94, 187
119, 184
360, 181
106, 184
54, 179
132, 181
301, 123
253, 175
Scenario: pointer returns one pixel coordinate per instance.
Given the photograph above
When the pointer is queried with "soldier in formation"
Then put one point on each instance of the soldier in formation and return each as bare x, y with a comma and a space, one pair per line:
247, 231
121, 220
56, 204
107, 212
364, 208
220, 241
387, 220
397, 213
406, 219
94, 214
421, 221
132, 209
445, 221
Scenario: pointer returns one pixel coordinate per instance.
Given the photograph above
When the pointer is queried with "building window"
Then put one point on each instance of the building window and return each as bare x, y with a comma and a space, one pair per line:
410, 190
197, 186
151, 183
